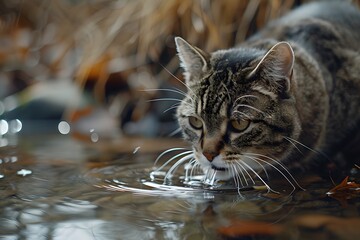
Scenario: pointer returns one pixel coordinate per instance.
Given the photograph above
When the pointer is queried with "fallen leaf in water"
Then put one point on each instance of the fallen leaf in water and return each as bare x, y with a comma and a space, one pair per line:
345, 190
345, 186
241, 228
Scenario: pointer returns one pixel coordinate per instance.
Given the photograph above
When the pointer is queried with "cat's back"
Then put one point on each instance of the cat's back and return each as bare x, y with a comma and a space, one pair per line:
341, 13
318, 21
328, 31
325, 38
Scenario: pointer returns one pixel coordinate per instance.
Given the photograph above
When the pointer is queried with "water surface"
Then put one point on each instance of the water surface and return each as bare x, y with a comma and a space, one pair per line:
57, 187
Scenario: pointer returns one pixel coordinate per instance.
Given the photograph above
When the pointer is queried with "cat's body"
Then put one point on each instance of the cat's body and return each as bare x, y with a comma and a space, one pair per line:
293, 87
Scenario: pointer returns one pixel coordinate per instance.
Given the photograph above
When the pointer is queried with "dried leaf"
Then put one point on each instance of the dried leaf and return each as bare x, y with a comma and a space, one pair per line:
345, 187
344, 191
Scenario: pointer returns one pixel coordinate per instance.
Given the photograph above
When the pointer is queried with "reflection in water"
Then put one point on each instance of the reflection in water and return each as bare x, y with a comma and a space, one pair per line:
66, 190
24, 172
83, 229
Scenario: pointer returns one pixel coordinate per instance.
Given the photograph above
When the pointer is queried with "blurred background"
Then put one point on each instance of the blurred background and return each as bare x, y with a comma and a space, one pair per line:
82, 66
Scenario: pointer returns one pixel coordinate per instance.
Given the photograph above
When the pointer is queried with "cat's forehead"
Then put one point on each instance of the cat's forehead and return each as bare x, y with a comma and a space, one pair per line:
228, 70
235, 59
225, 82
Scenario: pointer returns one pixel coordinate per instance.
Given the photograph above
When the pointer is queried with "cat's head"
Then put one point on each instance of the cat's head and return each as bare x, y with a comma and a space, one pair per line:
239, 109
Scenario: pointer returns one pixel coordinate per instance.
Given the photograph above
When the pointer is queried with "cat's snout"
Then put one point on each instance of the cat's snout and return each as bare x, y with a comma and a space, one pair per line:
210, 155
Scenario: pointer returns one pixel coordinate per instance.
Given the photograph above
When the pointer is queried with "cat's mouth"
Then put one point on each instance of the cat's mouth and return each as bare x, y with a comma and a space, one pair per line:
218, 168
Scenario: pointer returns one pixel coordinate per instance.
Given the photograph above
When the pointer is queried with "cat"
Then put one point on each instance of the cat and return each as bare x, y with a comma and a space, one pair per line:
286, 98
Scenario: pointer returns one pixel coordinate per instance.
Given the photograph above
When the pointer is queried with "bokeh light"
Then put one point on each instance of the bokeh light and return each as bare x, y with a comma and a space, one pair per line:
64, 127
4, 127
15, 126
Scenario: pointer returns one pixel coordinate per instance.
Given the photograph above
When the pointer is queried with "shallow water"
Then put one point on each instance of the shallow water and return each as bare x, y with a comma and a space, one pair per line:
57, 187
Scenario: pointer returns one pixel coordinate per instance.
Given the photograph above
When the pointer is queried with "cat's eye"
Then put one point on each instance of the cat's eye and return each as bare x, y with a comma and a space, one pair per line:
239, 125
195, 122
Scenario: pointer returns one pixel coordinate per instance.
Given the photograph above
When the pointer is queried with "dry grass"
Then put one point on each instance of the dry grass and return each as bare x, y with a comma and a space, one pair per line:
103, 37
110, 44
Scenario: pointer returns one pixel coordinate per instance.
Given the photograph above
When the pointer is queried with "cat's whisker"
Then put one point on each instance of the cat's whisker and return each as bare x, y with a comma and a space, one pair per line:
262, 167
274, 167
208, 174
237, 172
249, 175
176, 105
307, 147
166, 99
294, 145
176, 131
173, 168
178, 91
243, 114
255, 109
195, 167
257, 157
241, 168
213, 178
236, 178
281, 165
244, 96
168, 151
190, 165
171, 74
260, 178
171, 159
233, 174
210, 177
189, 174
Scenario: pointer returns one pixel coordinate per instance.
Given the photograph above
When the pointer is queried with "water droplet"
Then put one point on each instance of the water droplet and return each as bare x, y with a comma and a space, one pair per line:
64, 127
24, 172
94, 137
136, 150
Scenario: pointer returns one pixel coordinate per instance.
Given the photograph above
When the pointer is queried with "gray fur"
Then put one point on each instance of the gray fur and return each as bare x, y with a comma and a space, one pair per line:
301, 111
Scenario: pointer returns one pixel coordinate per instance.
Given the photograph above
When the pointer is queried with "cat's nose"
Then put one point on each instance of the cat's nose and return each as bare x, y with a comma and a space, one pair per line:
210, 156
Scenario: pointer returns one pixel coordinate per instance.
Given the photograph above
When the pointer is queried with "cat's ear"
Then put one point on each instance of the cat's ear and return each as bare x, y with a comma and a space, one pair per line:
277, 64
193, 60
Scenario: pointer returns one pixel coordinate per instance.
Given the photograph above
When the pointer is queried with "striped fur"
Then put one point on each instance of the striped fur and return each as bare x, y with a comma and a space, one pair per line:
297, 84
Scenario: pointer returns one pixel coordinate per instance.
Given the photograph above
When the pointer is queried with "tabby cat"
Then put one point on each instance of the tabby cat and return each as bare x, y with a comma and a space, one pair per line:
288, 97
